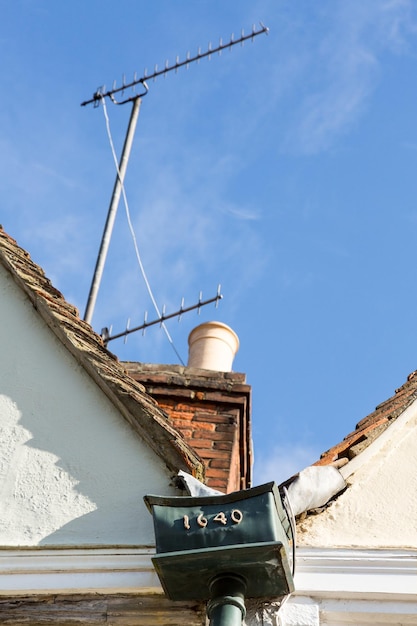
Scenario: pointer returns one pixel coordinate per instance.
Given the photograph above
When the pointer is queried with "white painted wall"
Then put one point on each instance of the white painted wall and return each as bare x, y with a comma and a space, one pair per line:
72, 472
379, 509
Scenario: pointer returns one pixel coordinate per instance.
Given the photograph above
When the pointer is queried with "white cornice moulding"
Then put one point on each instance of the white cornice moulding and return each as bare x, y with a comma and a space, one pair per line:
336, 574
103, 570
356, 573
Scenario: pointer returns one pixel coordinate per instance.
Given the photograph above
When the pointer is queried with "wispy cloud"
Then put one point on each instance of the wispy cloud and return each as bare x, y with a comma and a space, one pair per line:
245, 213
190, 237
283, 462
345, 68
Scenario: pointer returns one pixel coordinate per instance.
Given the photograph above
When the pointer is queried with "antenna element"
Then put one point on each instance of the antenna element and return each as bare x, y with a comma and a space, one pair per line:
102, 93
105, 332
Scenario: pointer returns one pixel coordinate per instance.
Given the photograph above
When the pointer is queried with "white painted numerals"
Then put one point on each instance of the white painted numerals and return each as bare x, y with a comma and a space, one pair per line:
236, 516
202, 521
220, 517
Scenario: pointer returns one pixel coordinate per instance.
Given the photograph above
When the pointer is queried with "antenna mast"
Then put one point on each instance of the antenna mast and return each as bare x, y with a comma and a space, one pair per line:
135, 99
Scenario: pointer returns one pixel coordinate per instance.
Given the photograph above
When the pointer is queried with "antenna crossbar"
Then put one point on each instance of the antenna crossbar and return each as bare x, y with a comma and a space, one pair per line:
106, 337
103, 93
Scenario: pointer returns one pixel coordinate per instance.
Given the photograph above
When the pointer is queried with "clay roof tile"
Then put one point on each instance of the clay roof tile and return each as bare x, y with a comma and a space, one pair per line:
374, 424
137, 407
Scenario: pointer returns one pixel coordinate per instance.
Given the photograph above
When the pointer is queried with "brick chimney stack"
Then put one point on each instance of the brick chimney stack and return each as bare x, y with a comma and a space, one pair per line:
211, 408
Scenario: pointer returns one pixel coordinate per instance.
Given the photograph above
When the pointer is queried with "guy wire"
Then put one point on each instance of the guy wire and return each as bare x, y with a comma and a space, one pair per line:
132, 232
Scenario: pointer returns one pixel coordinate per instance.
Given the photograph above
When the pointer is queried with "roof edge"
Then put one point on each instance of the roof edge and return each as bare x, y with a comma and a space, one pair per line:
377, 444
129, 397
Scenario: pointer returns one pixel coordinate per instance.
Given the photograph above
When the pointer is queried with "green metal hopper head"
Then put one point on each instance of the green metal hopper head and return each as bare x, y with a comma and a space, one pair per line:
244, 534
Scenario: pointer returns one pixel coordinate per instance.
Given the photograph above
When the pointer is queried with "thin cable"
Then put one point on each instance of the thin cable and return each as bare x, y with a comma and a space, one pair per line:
132, 232
291, 517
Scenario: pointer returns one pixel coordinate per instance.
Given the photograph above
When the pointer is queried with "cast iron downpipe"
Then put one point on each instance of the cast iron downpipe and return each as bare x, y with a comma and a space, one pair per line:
227, 604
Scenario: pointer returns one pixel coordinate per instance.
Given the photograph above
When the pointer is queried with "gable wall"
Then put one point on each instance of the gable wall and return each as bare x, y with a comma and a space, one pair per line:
71, 470
379, 508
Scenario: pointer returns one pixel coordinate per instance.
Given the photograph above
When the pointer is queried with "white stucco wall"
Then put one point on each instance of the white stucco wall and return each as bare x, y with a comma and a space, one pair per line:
379, 508
72, 472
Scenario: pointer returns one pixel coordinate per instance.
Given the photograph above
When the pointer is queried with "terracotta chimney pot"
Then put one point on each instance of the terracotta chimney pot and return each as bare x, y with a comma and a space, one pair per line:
212, 346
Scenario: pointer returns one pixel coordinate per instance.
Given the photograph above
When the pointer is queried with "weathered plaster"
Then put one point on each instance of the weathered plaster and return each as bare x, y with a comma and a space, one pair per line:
301, 612
379, 508
72, 471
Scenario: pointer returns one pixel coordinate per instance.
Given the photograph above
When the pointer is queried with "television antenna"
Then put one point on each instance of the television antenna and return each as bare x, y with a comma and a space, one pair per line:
135, 98
106, 333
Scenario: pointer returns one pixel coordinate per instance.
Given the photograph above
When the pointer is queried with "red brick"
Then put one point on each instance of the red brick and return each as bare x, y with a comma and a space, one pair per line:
220, 464
180, 421
156, 378
222, 445
185, 432
217, 473
181, 406
215, 435
211, 415
225, 428
217, 483
173, 393
180, 415
202, 443
213, 418
203, 426
210, 453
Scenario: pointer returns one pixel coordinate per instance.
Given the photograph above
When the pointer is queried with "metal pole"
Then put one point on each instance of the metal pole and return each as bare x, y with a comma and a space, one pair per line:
227, 604
111, 215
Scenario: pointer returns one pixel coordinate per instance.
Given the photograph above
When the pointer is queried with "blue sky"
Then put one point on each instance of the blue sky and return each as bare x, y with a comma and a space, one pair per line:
286, 170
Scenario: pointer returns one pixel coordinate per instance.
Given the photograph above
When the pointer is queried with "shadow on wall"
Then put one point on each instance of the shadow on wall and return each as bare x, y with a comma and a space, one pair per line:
71, 475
